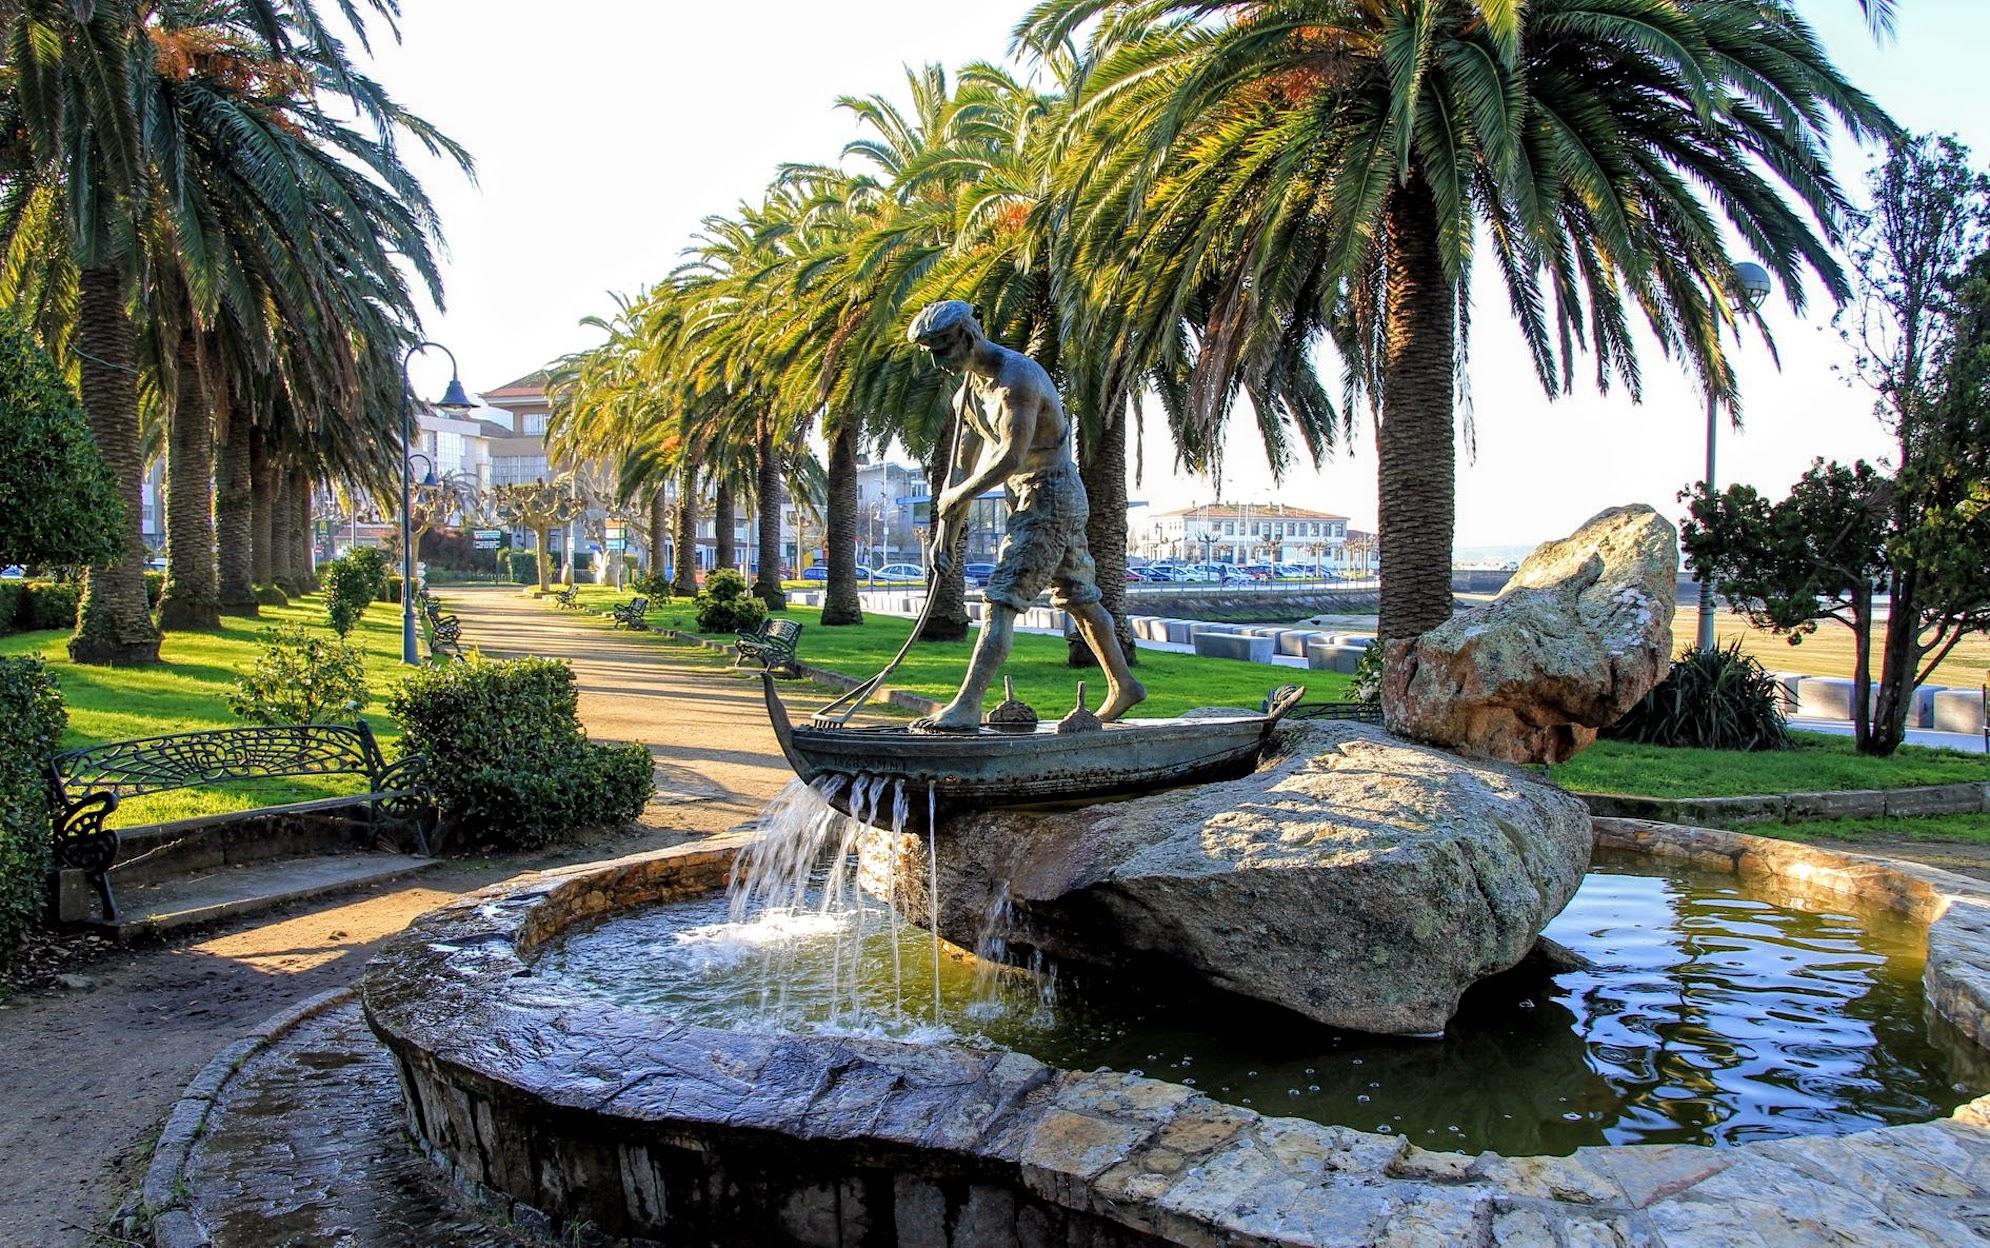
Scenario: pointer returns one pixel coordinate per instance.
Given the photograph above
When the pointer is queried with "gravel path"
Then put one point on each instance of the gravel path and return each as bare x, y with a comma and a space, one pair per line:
90, 1074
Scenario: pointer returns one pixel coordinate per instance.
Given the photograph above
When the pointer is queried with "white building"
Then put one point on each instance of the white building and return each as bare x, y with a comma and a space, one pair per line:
1252, 533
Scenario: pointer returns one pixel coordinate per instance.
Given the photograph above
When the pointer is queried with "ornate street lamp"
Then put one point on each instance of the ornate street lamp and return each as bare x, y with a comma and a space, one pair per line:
456, 403
1753, 286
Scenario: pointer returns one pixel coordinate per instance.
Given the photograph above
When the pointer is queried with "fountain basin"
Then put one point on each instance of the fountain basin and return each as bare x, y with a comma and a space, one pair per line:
555, 1105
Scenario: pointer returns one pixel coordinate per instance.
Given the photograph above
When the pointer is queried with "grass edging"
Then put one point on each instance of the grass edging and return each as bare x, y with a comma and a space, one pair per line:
165, 1194
1965, 798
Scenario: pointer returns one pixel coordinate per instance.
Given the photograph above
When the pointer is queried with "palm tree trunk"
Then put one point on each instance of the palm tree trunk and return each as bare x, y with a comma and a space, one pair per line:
768, 462
725, 526
840, 605
300, 534
687, 532
282, 534
192, 596
659, 531
1102, 468
234, 506
114, 620
1418, 450
262, 496
948, 619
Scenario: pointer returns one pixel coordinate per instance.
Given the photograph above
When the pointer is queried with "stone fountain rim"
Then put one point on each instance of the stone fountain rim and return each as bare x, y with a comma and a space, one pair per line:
1109, 1144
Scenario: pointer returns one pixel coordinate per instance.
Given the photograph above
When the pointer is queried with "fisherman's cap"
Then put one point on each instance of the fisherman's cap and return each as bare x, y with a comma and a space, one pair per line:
937, 318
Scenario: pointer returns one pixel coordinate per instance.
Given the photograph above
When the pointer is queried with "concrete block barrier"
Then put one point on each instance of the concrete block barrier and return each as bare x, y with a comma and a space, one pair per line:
1293, 641
1360, 641
1958, 710
1921, 711
1233, 646
1824, 697
1787, 682
1333, 658
1178, 632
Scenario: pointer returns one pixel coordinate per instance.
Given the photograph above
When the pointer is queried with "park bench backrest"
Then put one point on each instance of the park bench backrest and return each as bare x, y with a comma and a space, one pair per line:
186, 759
638, 605
1359, 712
782, 632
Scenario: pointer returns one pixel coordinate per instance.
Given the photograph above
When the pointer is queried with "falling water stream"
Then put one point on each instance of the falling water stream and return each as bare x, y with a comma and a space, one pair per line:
1706, 1014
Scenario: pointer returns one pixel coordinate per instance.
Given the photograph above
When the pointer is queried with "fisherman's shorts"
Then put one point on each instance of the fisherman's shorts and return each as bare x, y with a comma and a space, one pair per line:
1044, 545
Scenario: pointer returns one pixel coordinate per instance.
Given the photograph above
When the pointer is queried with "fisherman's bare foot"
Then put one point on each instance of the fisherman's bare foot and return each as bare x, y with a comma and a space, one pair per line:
1123, 699
954, 717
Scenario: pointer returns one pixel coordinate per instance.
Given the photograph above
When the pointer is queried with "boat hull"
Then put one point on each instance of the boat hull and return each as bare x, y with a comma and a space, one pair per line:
973, 771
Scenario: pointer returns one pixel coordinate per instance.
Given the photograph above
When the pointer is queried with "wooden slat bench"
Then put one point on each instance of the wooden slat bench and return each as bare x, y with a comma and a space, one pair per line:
773, 647
630, 614
87, 784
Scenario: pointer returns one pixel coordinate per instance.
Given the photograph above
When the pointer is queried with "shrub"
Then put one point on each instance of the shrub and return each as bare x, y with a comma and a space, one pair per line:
654, 586
1711, 700
1367, 683
301, 679
31, 723
271, 596
374, 561
351, 584
155, 588
725, 606
505, 755
59, 502
12, 593
522, 566
47, 605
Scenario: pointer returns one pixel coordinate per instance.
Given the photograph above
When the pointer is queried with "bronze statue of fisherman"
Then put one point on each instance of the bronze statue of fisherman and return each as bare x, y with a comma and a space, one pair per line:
1013, 430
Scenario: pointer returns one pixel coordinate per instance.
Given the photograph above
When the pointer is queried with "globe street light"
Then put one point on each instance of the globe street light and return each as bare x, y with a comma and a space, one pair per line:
456, 403
1752, 284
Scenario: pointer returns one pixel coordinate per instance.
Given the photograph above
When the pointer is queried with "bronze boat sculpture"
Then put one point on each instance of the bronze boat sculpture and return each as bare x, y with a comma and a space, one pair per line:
974, 770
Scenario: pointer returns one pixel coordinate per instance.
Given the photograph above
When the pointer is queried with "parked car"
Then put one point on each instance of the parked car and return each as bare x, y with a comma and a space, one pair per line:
895, 572
816, 572
1257, 571
1295, 572
978, 573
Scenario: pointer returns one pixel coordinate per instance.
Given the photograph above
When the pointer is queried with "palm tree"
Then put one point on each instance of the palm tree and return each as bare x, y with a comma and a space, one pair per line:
1303, 170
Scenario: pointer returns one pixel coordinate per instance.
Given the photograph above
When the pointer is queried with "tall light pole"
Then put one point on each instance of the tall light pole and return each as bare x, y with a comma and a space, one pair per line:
455, 402
1753, 281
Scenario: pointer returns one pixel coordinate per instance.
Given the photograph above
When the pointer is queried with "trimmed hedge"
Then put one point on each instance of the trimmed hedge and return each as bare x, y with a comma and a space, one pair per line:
505, 755
725, 606
31, 724
522, 566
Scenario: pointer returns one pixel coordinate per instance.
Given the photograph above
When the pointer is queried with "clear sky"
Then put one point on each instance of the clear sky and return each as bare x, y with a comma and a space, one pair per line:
604, 130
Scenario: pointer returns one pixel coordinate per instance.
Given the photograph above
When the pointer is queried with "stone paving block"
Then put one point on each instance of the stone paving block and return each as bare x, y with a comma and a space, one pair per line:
1234, 646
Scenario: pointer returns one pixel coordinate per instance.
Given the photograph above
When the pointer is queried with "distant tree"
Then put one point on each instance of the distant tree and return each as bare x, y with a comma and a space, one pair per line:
541, 506
1819, 554
58, 502
1917, 329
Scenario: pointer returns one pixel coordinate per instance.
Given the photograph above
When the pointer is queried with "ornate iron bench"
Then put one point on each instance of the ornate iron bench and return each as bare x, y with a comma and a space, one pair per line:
630, 614
569, 597
773, 647
444, 631
87, 784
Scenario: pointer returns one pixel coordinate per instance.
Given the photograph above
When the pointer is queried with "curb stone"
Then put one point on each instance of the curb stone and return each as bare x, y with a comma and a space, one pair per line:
164, 1188
1966, 797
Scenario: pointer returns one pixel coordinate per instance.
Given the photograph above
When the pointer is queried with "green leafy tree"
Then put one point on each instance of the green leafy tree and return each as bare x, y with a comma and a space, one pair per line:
1920, 330
58, 503
1818, 554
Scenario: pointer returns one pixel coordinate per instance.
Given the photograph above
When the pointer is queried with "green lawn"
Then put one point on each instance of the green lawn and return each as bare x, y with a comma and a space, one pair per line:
1948, 829
1818, 762
188, 691
1175, 682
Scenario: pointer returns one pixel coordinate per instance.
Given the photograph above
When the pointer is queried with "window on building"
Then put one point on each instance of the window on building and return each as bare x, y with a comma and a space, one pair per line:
532, 423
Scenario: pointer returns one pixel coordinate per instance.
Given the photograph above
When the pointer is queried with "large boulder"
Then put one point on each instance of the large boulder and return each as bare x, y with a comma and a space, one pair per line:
1355, 878
1581, 632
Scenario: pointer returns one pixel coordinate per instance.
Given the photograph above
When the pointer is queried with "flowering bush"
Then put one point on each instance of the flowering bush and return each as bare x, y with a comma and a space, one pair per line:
301, 679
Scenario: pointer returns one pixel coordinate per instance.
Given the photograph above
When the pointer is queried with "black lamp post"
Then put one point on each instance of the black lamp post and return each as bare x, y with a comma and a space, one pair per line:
455, 402
1752, 281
